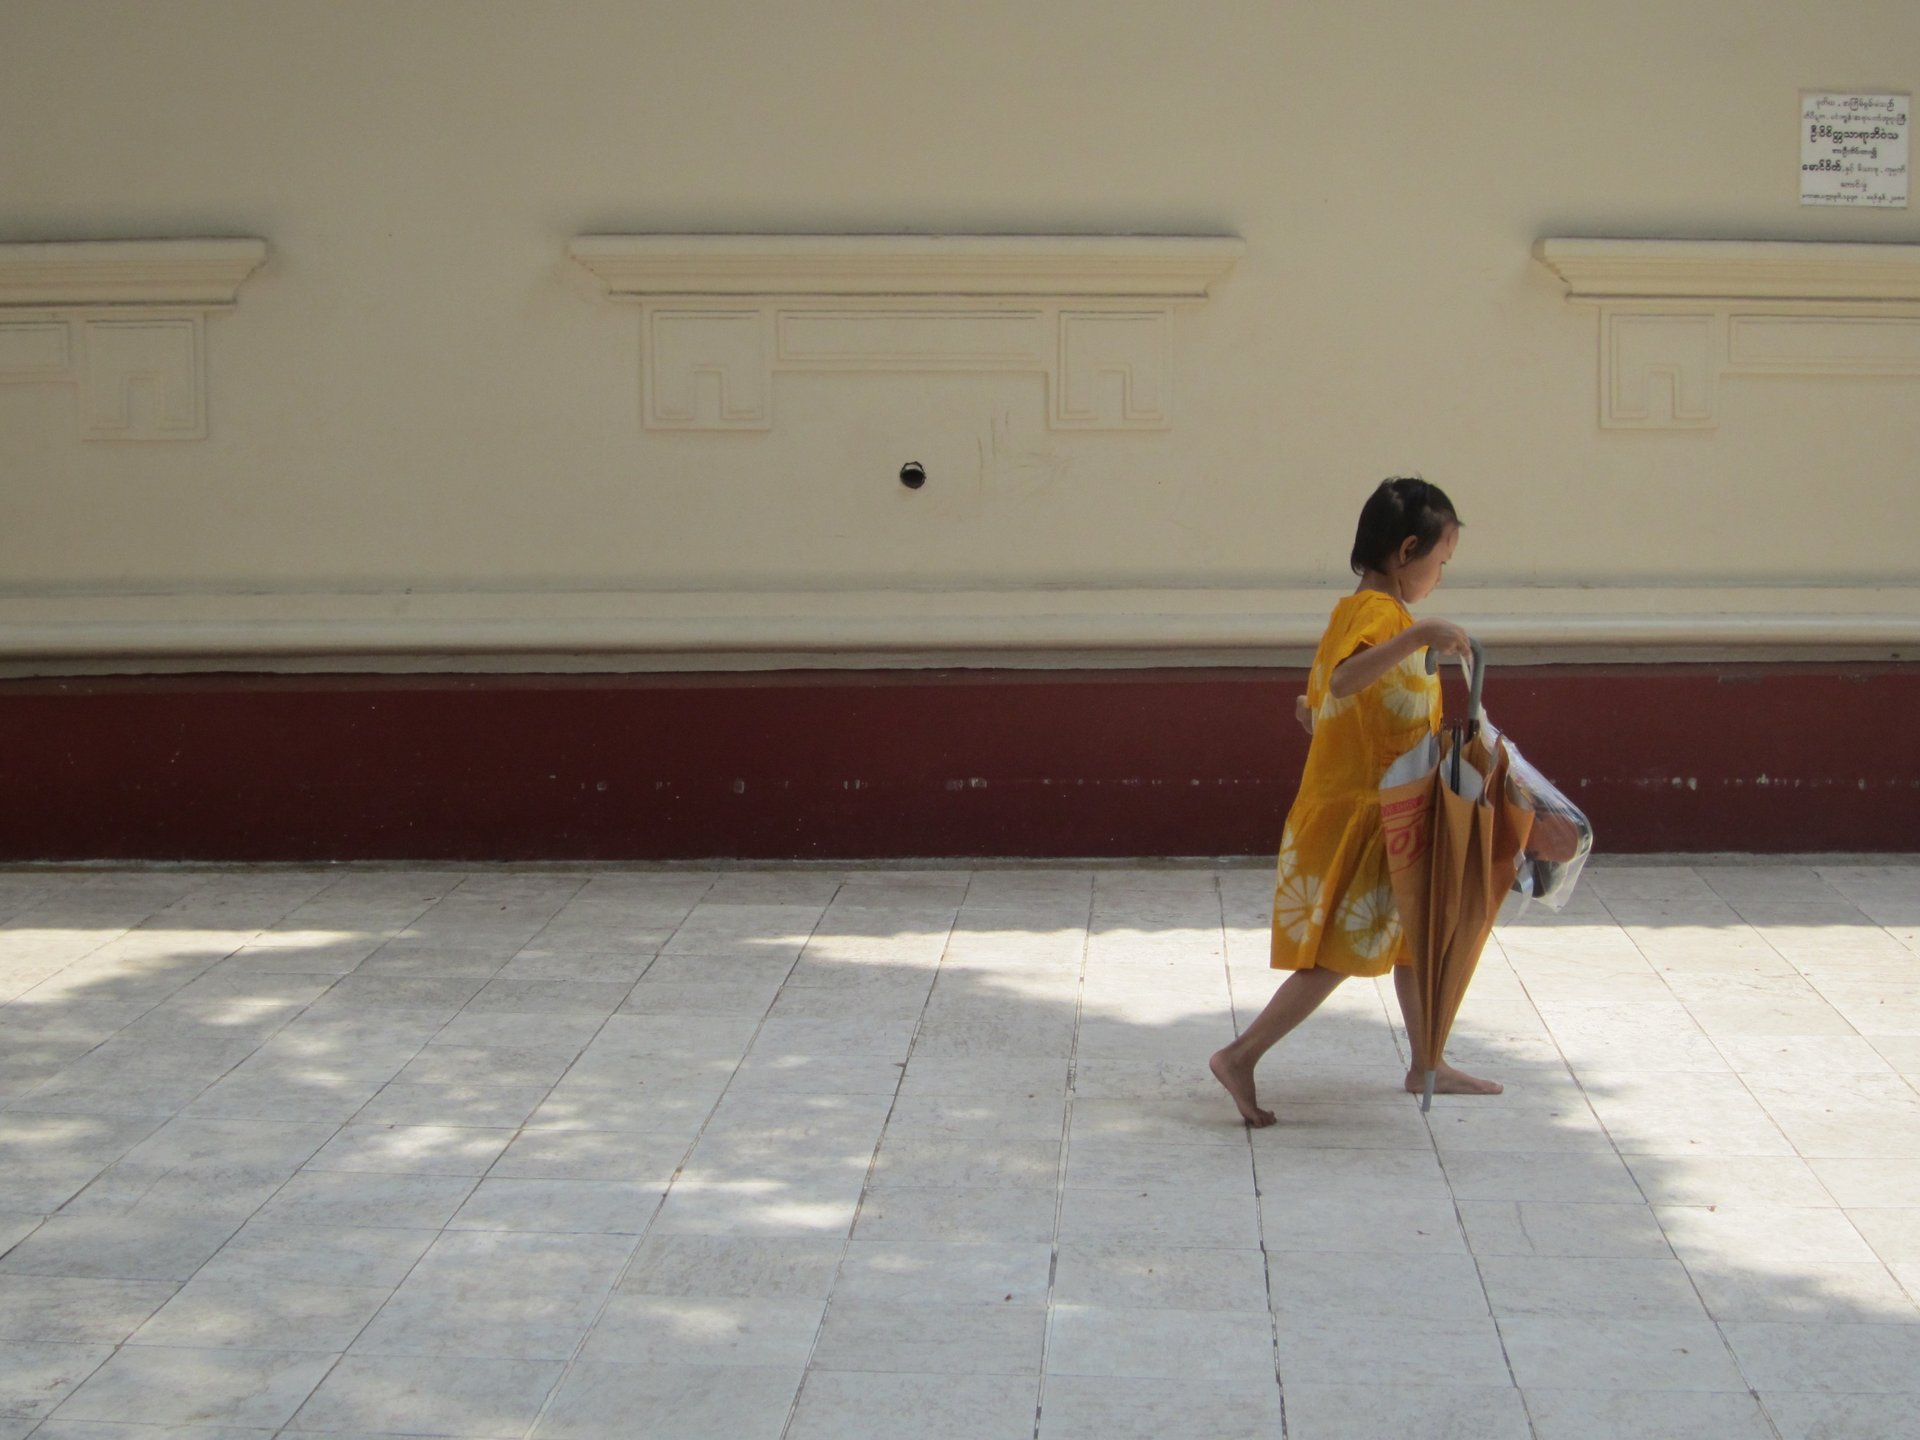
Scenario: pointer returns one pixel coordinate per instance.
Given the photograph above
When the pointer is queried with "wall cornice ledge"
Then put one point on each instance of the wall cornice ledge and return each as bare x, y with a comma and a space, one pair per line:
197, 273
1678, 316
983, 266
1656, 622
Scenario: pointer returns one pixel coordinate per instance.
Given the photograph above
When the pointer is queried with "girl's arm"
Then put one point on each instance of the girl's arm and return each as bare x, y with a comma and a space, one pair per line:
1363, 667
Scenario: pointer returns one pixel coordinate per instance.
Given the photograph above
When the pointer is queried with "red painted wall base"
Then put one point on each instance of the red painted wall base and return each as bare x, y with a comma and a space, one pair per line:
834, 764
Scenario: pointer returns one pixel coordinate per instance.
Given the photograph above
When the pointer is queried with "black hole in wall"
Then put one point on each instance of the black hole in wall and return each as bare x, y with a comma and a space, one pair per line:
913, 474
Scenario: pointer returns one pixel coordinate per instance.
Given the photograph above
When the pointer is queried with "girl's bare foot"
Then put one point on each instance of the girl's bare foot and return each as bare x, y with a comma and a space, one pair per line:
1238, 1081
1449, 1081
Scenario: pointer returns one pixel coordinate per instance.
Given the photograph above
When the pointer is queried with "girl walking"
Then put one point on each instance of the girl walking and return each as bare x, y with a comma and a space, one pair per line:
1369, 699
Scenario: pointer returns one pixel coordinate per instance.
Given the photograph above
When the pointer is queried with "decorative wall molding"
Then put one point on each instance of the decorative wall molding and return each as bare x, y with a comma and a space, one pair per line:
722, 314
124, 321
828, 625
1678, 316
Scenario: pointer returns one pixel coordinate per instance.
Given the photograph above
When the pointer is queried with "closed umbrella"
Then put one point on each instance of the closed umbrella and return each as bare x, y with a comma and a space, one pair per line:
1454, 829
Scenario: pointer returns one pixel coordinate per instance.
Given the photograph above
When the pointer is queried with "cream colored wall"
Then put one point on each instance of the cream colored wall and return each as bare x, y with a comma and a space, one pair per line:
420, 393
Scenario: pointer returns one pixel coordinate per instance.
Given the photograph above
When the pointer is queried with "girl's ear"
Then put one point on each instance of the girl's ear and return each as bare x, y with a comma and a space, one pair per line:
1407, 546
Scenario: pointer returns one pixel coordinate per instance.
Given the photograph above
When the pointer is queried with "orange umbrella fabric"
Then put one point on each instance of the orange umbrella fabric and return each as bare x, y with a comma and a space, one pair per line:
1453, 834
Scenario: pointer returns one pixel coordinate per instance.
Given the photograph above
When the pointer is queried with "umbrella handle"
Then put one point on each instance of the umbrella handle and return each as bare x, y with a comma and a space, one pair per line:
1476, 673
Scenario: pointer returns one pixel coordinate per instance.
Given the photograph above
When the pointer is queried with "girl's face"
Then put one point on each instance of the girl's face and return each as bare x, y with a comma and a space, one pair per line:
1418, 578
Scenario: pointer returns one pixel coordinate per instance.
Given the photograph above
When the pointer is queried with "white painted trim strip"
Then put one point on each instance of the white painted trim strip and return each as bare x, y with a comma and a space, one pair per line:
127, 272
993, 266
1712, 270
914, 622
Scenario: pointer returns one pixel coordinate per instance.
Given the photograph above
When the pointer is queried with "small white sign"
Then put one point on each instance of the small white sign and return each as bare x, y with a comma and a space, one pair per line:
1853, 150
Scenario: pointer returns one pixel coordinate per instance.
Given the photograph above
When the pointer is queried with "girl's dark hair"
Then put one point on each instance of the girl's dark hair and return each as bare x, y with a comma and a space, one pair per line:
1400, 508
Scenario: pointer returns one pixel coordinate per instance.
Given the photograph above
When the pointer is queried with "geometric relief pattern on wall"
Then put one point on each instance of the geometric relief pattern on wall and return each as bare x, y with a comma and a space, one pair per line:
713, 368
143, 380
1679, 317
1657, 371
708, 370
1821, 345
124, 323
722, 315
1114, 373
137, 379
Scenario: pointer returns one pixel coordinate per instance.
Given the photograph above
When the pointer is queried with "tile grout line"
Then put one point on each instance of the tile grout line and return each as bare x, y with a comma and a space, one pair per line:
1719, 1328
124, 1344
439, 1231
1620, 1155
1060, 1170
115, 1350
866, 1180
1253, 1165
640, 1237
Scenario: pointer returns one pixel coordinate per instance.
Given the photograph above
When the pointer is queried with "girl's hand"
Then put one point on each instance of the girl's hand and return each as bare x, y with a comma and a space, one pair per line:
1303, 713
1445, 637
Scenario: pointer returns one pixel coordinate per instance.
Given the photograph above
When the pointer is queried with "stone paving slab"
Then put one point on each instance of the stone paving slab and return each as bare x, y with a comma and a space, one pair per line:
812, 1152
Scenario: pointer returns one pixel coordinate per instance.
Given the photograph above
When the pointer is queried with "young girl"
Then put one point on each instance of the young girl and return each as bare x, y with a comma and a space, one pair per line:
1369, 699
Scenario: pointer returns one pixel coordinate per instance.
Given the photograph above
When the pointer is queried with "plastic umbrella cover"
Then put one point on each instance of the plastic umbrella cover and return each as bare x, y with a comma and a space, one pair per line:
1559, 843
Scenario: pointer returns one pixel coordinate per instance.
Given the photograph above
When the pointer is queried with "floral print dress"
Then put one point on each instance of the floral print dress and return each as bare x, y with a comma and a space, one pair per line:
1332, 904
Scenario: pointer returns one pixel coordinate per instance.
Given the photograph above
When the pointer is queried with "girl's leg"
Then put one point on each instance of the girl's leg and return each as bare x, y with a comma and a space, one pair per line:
1447, 1080
1297, 998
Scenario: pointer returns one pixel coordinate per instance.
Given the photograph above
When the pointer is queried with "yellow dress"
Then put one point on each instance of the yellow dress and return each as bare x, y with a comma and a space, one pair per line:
1332, 904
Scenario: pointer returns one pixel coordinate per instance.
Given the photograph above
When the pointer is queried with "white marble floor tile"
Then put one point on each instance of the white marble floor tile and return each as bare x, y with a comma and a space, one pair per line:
338, 1198
1554, 1285
215, 1313
1346, 1350
683, 1330
172, 1386
1514, 1176
1106, 1407
36, 1377
1160, 1216
474, 1322
915, 1271
931, 1338
958, 1214
1614, 1352
848, 1405
1811, 1415
1835, 1359
411, 1149
73, 1311
725, 1267
594, 1207
389, 1394
268, 1252
1422, 1223
1754, 1289
1097, 1163
1311, 1285
1582, 1229
735, 1403
1159, 1277
1740, 1233
134, 1246
481, 1106
1877, 1184
1670, 1414
1406, 1411
1161, 1344
1727, 1180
